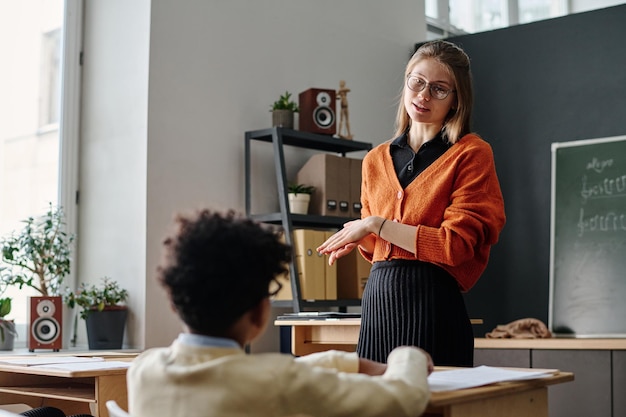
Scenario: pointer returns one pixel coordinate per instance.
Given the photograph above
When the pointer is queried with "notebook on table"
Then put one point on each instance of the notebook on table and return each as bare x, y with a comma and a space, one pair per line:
318, 315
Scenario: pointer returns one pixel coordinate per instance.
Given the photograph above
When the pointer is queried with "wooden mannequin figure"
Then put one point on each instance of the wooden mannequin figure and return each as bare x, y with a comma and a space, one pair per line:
342, 95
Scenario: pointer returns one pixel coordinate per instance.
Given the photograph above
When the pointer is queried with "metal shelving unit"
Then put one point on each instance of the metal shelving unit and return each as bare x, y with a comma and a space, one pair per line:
280, 137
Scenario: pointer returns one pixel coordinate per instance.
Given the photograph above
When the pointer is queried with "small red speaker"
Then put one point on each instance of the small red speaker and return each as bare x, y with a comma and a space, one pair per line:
45, 317
317, 111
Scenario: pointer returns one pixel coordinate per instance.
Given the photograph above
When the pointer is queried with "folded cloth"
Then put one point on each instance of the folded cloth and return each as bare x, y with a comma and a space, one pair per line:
528, 328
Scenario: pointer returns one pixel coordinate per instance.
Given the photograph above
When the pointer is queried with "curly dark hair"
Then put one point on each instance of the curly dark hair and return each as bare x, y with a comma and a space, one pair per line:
218, 266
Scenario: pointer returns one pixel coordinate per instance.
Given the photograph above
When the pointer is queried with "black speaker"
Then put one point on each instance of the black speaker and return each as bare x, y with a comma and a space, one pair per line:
44, 323
317, 111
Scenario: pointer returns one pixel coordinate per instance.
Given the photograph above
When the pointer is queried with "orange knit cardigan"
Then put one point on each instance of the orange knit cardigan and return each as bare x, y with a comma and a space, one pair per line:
456, 204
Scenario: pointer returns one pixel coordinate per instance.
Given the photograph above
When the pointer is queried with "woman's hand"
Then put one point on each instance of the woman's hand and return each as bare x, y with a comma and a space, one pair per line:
345, 240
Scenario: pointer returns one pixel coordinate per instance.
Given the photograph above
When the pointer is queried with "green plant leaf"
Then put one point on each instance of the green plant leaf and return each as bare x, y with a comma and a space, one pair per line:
285, 103
5, 306
92, 297
300, 189
38, 256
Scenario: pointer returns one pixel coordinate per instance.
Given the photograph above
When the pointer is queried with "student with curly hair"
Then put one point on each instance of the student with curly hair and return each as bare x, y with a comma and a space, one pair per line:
220, 270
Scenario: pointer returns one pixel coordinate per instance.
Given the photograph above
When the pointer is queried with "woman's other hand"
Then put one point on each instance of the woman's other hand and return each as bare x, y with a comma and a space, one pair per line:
345, 240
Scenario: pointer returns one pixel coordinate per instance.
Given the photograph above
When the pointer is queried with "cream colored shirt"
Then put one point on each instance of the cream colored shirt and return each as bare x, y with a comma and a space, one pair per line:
199, 381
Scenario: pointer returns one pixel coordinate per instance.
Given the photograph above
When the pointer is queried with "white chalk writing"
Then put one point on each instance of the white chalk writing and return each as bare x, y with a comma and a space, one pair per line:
598, 166
606, 187
604, 223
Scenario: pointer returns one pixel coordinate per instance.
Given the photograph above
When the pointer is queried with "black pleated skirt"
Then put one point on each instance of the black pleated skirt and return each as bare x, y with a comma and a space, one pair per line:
419, 304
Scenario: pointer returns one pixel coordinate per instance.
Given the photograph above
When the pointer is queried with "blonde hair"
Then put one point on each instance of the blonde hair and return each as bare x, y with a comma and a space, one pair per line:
456, 61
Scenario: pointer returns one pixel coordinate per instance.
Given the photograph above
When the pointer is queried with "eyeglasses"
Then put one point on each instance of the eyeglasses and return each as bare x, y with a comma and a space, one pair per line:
417, 84
274, 288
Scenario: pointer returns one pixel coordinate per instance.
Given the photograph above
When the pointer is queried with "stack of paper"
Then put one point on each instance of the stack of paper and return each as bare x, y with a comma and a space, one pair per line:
481, 375
67, 363
46, 360
87, 366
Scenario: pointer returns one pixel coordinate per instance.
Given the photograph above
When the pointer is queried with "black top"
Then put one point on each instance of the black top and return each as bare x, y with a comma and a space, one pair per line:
409, 164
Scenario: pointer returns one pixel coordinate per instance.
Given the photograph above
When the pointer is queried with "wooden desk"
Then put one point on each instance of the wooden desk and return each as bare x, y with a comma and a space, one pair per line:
599, 366
511, 399
554, 343
74, 392
308, 336
514, 399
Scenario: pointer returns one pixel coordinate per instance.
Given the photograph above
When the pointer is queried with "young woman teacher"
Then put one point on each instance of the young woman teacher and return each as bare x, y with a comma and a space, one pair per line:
432, 209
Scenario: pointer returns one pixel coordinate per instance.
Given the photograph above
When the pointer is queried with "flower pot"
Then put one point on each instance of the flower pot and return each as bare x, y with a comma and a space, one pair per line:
7, 334
299, 203
282, 118
105, 329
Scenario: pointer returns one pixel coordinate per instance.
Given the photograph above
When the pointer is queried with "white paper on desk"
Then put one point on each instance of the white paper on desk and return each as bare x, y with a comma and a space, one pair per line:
86, 366
476, 377
44, 360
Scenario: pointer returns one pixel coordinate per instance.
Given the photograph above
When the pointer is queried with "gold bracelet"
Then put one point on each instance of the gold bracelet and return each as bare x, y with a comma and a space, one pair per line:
381, 227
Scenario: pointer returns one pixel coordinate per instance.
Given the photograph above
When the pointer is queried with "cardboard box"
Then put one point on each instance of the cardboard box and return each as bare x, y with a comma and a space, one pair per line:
352, 274
355, 187
311, 264
318, 280
330, 276
330, 175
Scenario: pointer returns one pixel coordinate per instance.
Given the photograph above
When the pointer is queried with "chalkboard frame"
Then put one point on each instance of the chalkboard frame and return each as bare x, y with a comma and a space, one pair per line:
553, 310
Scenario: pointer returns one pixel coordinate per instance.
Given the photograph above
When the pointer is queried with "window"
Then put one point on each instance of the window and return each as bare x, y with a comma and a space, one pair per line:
50, 84
456, 17
36, 37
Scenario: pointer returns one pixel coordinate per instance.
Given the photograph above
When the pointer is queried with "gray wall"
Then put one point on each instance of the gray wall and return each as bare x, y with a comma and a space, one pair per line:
113, 152
171, 87
552, 81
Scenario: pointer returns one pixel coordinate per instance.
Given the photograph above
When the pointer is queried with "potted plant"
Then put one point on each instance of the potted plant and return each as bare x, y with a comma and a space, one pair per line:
7, 327
283, 111
299, 197
38, 256
103, 307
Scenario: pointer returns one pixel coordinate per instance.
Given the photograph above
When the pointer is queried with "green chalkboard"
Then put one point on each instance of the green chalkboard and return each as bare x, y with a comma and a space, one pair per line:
588, 238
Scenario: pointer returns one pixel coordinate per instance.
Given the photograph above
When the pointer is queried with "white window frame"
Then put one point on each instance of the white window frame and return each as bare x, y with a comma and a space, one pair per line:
69, 139
440, 27
69, 130
69, 134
